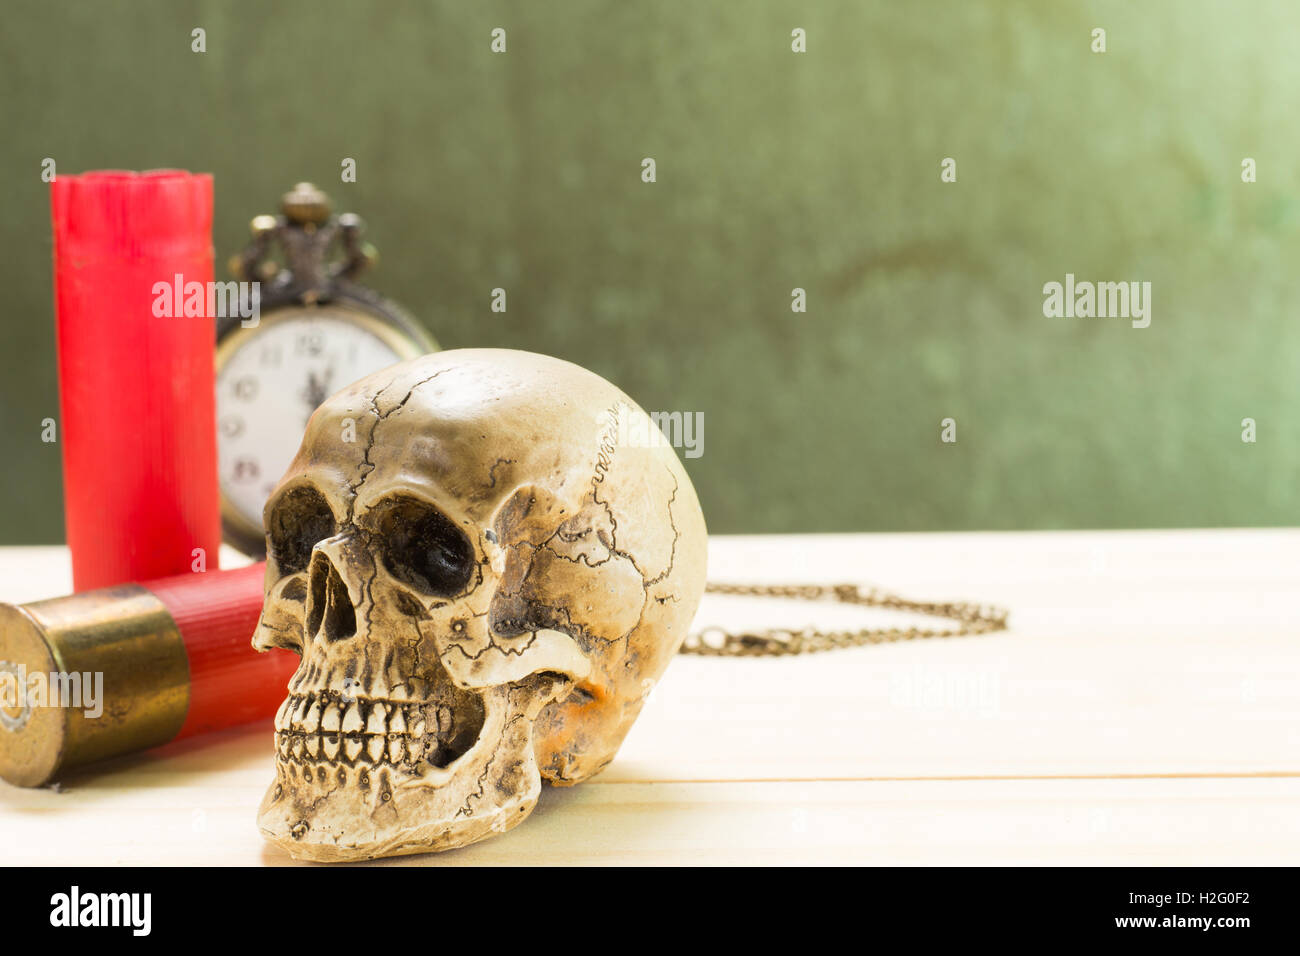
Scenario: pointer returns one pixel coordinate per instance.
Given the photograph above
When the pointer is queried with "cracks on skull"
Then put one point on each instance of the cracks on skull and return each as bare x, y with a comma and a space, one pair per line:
478, 579
424, 381
380, 417
580, 559
413, 646
570, 537
508, 651
672, 554
604, 459
574, 536
492, 472
612, 543
367, 589
532, 616
309, 808
574, 629
366, 466
648, 583
626, 637
466, 810
614, 551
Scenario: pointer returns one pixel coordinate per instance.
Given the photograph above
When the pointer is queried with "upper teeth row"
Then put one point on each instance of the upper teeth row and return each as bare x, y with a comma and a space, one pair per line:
307, 715
312, 681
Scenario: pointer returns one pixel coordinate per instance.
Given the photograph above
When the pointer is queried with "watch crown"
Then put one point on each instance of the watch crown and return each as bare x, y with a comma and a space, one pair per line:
305, 204
320, 252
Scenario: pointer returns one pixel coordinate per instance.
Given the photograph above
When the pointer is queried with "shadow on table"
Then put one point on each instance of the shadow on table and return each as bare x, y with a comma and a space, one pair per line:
160, 767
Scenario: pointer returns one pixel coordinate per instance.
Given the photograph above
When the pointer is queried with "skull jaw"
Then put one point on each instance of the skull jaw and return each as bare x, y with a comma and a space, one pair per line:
488, 790
346, 841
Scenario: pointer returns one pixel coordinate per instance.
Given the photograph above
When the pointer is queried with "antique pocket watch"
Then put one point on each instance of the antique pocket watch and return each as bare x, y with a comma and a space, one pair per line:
317, 331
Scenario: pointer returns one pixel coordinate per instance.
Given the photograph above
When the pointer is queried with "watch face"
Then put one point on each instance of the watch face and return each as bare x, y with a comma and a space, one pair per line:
272, 381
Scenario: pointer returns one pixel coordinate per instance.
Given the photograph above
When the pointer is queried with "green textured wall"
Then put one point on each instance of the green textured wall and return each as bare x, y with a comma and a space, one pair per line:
775, 170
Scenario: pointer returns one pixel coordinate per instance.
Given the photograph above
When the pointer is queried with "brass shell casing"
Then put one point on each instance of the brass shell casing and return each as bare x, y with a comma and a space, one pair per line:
124, 633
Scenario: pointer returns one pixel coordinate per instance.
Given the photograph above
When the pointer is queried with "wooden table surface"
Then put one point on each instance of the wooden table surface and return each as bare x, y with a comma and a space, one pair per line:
1144, 708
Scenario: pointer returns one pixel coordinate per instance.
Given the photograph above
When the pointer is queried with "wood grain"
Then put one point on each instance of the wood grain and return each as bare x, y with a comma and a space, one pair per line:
1143, 708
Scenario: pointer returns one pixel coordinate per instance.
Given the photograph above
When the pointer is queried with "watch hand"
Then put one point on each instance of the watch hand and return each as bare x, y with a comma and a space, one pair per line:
317, 390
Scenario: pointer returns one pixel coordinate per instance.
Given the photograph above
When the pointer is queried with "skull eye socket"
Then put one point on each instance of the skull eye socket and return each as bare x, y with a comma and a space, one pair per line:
423, 548
299, 520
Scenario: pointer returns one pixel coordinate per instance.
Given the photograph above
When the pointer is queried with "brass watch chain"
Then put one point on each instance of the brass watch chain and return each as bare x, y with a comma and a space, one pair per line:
777, 642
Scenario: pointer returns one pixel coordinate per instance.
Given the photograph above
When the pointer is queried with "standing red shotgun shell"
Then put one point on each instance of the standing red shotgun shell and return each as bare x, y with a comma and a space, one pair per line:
136, 380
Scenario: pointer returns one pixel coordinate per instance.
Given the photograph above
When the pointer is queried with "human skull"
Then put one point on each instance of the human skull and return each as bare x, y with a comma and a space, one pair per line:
484, 579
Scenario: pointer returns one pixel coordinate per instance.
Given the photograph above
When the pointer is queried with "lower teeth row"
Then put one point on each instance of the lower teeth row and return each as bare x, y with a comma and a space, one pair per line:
394, 748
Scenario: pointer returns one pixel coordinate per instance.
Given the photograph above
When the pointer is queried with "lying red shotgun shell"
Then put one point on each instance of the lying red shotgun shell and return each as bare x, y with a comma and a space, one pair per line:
121, 669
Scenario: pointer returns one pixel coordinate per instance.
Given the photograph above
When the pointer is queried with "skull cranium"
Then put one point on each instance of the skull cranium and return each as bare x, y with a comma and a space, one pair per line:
483, 581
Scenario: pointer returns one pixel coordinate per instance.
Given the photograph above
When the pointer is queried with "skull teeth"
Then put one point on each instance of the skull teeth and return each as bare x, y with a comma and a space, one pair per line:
311, 730
330, 720
312, 720
377, 722
352, 720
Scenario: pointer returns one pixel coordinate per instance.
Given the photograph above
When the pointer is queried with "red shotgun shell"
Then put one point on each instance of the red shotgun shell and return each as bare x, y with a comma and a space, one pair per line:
136, 381
108, 672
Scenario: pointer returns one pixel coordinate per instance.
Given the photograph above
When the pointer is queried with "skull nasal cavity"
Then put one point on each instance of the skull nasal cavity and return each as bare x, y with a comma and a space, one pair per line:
329, 609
